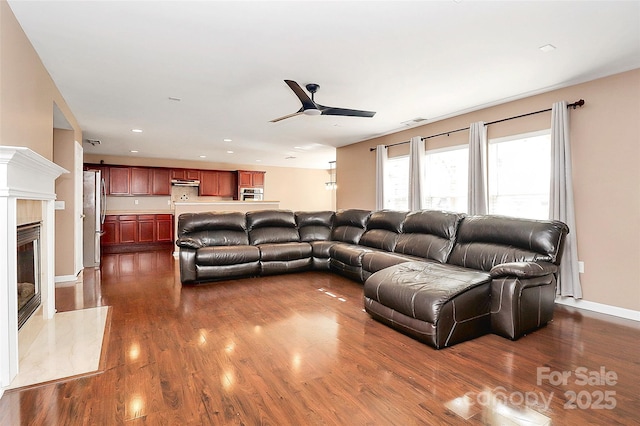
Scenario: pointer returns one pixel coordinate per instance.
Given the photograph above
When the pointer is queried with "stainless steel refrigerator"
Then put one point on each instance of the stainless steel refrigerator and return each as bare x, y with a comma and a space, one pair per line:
94, 200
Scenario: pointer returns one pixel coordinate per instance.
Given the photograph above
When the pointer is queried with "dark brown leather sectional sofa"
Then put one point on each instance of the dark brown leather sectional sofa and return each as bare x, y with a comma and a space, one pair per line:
440, 277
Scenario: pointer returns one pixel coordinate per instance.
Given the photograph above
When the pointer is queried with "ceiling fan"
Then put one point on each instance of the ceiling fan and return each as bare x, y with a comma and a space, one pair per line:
310, 107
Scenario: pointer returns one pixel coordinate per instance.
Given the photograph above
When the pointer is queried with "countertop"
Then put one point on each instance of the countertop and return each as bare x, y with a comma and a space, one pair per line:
218, 203
125, 212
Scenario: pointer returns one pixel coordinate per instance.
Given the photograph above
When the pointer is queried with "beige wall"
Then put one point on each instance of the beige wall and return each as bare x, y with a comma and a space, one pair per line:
605, 144
27, 95
297, 189
64, 156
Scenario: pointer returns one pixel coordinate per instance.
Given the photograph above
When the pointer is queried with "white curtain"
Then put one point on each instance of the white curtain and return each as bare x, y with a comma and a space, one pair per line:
381, 161
478, 195
416, 172
561, 205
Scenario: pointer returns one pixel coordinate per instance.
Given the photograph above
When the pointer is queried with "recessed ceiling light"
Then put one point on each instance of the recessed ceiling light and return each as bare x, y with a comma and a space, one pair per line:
136, 130
203, 156
134, 151
227, 140
257, 161
547, 48
297, 147
229, 152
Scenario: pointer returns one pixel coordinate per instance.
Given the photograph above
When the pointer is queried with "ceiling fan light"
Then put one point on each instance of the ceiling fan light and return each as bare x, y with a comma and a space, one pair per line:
312, 111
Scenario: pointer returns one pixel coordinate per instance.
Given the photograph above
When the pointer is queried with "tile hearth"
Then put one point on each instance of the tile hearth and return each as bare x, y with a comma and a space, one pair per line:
69, 344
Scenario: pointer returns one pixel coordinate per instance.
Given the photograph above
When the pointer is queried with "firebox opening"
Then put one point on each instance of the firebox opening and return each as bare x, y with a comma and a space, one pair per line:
28, 271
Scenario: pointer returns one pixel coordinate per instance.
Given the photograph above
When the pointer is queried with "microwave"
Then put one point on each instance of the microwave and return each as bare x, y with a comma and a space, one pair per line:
251, 194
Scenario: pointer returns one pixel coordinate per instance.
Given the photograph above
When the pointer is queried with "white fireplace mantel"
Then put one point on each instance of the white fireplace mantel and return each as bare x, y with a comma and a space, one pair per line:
26, 175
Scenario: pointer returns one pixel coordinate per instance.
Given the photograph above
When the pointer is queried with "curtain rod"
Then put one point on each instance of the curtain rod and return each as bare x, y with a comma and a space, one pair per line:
574, 105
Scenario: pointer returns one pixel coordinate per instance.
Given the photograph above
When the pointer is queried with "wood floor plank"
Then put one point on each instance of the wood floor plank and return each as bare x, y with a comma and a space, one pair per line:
299, 349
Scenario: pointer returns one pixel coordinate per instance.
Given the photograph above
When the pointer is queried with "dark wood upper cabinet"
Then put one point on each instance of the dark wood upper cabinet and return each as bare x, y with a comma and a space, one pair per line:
132, 180
160, 181
193, 174
227, 184
250, 179
119, 181
208, 183
217, 183
140, 181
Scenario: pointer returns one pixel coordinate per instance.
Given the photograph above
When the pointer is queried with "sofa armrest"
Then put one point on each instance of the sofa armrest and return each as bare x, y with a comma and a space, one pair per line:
523, 269
191, 243
188, 272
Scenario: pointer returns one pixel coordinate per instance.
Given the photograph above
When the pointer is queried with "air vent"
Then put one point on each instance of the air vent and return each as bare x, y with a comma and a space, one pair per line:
413, 121
94, 142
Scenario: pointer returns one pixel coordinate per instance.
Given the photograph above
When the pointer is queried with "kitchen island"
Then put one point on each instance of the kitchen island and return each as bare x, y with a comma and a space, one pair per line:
219, 206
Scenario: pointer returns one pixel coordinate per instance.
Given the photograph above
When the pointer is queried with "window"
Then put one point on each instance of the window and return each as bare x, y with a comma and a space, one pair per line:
519, 170
396, 183
446, 179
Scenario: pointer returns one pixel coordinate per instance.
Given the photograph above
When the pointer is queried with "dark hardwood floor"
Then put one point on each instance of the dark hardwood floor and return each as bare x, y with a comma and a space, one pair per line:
299, 350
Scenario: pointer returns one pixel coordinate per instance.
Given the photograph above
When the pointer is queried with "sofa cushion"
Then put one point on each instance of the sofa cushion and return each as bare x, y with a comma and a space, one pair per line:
314, 226
382, 229
267, 218
284, 251
420, 289
429, 234
349, 225
212, 229
226, 255
272, 226
486, 241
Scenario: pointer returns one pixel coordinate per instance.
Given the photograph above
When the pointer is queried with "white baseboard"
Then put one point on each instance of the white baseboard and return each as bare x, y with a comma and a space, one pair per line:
599, 307
65, 278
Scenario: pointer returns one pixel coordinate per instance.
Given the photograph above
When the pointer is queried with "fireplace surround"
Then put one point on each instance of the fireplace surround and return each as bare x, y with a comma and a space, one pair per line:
24, 175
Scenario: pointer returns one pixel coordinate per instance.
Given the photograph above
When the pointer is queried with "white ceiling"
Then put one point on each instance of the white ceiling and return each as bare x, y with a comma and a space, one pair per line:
117, 63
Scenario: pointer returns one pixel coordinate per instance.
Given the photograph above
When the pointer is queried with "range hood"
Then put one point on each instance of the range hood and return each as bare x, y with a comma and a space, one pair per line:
185, 182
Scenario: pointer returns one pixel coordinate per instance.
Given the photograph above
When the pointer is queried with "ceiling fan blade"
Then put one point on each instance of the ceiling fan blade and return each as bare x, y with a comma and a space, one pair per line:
344, 111
275, 120
307, 103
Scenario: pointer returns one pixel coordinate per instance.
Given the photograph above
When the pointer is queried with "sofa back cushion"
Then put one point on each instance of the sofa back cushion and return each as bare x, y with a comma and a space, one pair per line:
272, 226
486, 241
383, 228
314, 226
429, 234
349, 225
213, 228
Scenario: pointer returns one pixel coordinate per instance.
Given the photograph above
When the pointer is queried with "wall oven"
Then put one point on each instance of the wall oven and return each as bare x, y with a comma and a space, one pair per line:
251, 194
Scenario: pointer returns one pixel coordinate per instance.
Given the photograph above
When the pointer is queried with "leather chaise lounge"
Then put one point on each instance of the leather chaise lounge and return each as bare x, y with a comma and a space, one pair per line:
439, 277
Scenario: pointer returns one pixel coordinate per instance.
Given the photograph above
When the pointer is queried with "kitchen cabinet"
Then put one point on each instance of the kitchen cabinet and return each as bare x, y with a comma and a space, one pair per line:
185, 174
110, 230
132, 229
128, 229
140, 180
146, 228
119, 180
164, 228
250, 179
160, 181
217, 183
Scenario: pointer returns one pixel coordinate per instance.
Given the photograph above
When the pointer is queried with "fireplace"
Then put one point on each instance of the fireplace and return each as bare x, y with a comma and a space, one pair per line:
25, 177
28, 271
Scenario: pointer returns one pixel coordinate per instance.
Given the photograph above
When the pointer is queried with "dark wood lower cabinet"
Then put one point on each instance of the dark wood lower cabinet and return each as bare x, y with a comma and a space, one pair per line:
130, 232
164, 228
